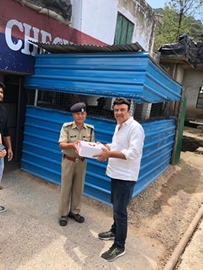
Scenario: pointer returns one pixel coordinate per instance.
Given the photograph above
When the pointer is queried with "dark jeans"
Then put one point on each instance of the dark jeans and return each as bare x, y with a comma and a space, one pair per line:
121, 194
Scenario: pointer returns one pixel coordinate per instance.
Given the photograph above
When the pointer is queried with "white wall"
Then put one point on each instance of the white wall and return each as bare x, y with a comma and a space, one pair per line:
179, 76
192, 82
95, 18
76, 20
99, 19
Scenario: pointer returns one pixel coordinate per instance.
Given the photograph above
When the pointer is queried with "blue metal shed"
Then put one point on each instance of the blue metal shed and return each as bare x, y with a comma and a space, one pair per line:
129, 74
133, 75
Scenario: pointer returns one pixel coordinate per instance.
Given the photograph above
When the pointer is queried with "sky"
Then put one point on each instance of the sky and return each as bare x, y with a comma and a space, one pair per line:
160, 4
156, 3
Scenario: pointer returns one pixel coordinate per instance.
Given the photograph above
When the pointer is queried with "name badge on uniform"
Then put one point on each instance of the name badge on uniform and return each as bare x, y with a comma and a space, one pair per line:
73, 136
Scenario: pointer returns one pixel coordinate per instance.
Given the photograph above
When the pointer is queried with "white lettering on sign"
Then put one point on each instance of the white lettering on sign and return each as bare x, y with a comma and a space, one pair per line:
30, 33
8, 35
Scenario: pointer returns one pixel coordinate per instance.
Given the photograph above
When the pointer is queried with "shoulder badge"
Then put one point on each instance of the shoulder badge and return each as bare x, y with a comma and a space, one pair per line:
67, 124
90, 126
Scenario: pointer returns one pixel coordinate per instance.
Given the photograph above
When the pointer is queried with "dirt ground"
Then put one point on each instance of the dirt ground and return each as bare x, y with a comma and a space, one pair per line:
158, 218
165, 209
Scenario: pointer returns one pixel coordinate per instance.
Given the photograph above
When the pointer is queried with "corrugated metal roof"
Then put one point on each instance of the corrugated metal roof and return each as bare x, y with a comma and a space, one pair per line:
73, 48
131, 75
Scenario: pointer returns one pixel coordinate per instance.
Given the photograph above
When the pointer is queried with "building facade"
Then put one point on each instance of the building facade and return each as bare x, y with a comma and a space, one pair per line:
183, 61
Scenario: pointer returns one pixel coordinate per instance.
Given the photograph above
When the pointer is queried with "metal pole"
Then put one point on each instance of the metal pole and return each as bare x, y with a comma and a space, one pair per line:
36, 97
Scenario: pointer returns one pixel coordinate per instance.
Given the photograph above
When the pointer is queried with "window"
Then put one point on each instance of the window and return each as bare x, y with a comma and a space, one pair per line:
200, 98
101, 106
124, 30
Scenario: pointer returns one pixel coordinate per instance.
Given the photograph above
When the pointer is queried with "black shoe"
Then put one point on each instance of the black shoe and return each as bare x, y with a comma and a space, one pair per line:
113, 253
2, 209
77, 217
106, 235
63, 220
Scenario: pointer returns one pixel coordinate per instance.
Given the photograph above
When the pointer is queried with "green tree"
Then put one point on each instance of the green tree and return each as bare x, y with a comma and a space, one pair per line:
178, 18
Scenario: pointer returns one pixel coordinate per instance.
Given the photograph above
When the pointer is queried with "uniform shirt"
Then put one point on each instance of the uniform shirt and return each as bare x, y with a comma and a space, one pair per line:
4, 130
70, 133
129, 140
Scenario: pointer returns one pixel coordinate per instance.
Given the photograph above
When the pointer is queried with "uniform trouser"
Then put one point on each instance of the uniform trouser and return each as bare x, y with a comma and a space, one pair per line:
1, 168
72, 186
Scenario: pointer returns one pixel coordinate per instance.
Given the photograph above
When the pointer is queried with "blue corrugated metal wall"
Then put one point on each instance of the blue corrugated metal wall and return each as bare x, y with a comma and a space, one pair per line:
42, 156
132, 75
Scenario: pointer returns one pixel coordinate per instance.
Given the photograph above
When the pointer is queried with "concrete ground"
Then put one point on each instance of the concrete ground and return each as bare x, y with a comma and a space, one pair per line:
30, 237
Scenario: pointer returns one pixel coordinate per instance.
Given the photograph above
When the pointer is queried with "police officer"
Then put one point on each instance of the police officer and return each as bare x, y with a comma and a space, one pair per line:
73, 166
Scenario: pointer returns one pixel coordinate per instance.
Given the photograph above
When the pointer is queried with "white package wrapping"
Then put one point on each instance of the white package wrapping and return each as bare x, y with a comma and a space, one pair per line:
89, 149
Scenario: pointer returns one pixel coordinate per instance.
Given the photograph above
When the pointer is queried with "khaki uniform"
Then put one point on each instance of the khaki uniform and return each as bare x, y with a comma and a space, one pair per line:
73, 172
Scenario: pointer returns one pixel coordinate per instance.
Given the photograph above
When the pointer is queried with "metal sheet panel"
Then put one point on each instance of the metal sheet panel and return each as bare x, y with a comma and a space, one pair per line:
131, 74
42, 156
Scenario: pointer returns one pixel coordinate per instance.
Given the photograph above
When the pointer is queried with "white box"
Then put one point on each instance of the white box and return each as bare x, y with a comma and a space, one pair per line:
89, 149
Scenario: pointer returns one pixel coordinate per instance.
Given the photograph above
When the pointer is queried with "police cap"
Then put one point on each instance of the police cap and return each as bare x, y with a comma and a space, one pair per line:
78, 107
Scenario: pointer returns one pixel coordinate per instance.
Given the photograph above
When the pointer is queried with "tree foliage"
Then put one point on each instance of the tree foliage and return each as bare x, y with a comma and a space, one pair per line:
178, 18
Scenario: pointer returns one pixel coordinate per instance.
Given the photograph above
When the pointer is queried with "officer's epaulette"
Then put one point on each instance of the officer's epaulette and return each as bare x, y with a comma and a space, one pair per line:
67, 124
90, 126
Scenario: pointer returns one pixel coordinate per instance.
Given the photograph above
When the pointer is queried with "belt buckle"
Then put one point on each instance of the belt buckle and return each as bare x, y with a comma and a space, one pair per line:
77, 160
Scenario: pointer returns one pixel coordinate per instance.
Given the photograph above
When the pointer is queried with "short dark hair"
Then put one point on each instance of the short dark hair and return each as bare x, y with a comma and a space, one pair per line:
121, 100
2, 86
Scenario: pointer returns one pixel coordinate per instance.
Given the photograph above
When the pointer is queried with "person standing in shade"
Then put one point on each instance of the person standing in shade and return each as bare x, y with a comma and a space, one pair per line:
124, 157
73, 166
2, 155
4, 132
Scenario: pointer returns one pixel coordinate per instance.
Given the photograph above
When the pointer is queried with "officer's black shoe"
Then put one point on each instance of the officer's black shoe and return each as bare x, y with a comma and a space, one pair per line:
63, 220
77, 217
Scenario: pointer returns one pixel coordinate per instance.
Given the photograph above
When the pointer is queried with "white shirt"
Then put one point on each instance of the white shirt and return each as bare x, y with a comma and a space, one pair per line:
129, 140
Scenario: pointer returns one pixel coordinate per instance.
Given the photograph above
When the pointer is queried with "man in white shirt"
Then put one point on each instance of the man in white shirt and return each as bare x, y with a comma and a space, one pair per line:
124, 154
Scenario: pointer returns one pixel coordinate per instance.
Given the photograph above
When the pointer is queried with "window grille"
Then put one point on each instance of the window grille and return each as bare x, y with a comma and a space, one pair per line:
101, 107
